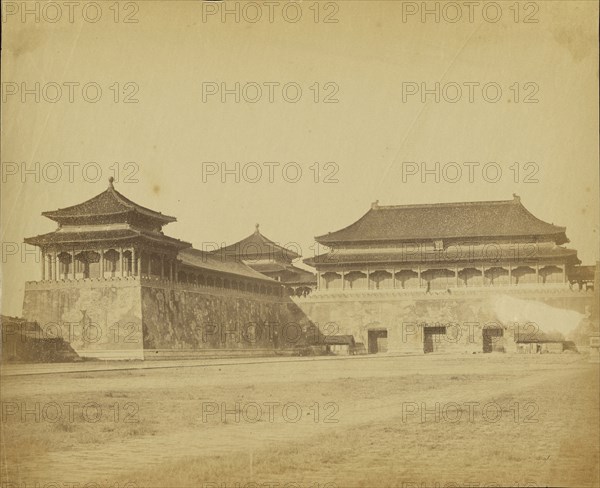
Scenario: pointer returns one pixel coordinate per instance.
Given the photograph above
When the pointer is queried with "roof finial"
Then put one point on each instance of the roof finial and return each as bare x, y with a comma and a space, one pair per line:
516, 197
257, 226
110, 182
375, 204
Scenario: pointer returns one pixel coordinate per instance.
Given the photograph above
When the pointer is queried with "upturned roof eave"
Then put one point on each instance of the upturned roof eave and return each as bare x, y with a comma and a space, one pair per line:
46, 239
126, 204
327, 240
352, 233
334, 259
57, 216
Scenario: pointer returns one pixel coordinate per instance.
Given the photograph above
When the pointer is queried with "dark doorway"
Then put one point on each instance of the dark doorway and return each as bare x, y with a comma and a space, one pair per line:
432, 337
488, 338
377, 341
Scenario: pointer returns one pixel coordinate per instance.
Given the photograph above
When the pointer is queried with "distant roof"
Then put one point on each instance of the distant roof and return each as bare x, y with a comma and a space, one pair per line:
287, 274
339, 340
202, 259
503, 218
257, 246
539, 336
109, 202
301, 277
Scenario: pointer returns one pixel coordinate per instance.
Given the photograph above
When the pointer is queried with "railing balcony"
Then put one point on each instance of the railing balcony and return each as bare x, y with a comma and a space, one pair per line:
423, 292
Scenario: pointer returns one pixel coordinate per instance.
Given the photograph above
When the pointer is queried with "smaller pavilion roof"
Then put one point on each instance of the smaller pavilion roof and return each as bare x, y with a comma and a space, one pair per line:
258, 247
109, 202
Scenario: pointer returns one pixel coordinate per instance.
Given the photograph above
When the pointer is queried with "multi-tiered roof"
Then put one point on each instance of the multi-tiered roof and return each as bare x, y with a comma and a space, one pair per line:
442, 224
111, 219
267, 257
107, 217
505, 218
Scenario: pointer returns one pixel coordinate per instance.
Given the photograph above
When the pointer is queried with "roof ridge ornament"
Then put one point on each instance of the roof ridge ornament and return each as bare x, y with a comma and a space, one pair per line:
256, 231
110, 182
516, 198
375, 205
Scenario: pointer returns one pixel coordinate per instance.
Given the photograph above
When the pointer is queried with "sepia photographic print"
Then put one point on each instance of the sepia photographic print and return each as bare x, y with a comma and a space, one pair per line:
299, 244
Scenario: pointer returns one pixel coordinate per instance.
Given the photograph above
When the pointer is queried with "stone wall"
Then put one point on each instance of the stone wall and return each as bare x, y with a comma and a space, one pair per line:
129, 318
408, 319
183, 319
98, 318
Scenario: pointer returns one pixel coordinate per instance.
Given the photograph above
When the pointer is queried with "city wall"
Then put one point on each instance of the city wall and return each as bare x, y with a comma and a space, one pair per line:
129, 318
98, 318
411, 319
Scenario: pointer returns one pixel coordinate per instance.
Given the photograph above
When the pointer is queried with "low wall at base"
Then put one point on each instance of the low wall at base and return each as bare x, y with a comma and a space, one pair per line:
98, 318
391, 322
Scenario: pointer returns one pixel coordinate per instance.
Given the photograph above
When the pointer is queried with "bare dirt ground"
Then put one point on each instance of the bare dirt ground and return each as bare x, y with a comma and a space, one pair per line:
377, 421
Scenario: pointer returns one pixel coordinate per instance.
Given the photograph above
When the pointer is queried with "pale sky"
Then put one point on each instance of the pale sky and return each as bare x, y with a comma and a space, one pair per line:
363, 61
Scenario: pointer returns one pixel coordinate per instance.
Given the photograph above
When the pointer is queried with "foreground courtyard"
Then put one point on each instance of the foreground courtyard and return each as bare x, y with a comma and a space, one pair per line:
417, 421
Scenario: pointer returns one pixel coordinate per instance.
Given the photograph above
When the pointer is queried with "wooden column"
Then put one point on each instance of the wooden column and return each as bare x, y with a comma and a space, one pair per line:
456, 275
368, 278
510, 274
176, 271
343, 280
537, 273
139, 266
162, 266
564, 273
319, 284
43, 266
102, 263
419, 276
150, 264
483, 276
122, 262
73, 276
170, 270
133, 262
394, 277
56, 267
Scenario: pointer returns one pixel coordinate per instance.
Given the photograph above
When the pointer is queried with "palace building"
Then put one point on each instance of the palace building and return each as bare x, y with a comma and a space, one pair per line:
402, 278
273, 260
116, 286
452, 277
444, 246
